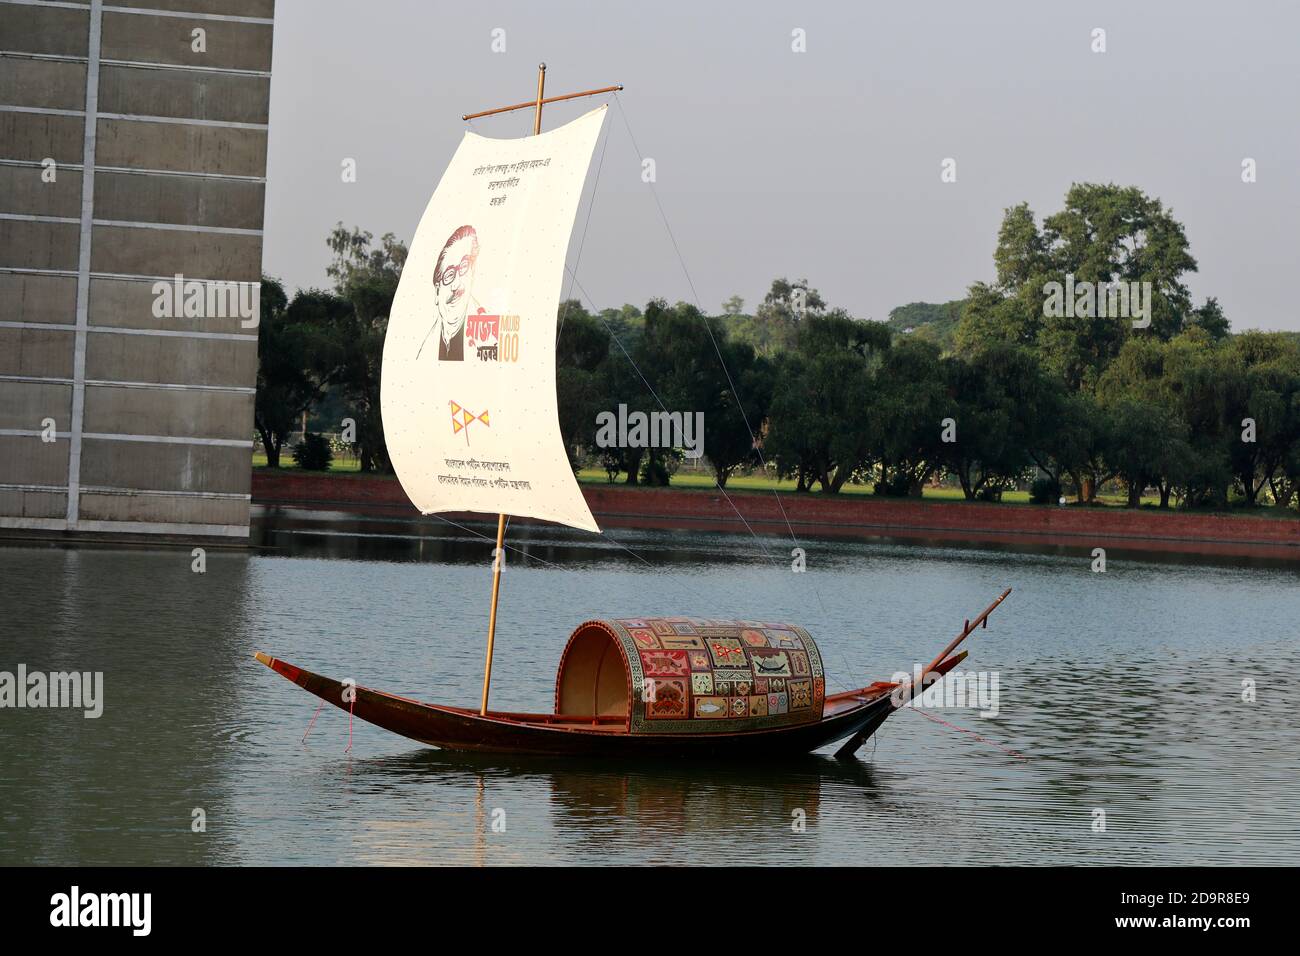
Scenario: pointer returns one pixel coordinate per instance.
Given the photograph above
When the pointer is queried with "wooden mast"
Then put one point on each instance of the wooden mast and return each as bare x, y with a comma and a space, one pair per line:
541, 90
499, 555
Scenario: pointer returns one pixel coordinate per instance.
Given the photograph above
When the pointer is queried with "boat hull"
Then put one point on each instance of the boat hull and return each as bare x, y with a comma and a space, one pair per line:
454, 728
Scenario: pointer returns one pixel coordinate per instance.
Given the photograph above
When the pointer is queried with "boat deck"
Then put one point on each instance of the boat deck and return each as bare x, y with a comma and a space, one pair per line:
617, 723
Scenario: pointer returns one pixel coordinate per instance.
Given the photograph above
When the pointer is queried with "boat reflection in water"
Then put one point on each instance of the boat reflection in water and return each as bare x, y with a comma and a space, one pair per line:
594, 810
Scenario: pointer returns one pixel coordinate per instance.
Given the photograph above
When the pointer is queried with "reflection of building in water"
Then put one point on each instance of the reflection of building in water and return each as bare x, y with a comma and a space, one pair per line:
122, 789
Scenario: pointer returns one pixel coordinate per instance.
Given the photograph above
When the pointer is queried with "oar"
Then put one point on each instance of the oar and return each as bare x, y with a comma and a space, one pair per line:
851, 745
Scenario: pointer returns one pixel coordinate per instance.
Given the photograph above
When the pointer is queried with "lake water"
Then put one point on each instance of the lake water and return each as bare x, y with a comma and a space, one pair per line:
1120, 693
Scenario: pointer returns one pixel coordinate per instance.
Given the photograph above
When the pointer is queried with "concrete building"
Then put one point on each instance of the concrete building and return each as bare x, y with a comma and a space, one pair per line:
132, 151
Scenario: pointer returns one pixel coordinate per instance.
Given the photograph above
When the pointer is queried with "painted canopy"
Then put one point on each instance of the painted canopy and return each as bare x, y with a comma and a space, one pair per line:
690, 675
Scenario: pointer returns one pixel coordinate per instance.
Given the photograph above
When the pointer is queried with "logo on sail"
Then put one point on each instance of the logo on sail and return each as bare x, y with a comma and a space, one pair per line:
462, 418
493, 338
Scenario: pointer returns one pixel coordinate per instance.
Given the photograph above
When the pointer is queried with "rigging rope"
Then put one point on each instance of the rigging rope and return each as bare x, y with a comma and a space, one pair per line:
707, 325
573, 281
351, 705
573, 276
754, 443
591, 204
551, 564
650, 388
313, 719
992, 743
660, 402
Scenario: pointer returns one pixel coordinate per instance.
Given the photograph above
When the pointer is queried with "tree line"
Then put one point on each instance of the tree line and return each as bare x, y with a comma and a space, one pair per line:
329, 344
998, 393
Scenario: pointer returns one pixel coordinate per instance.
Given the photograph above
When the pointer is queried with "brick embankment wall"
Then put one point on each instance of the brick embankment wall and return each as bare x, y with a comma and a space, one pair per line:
852, 517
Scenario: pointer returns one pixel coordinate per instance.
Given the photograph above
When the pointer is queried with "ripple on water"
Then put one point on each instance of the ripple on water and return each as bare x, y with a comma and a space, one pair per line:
1125, 692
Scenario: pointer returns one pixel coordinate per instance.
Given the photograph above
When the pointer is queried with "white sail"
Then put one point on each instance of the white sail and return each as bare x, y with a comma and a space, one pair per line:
468, 389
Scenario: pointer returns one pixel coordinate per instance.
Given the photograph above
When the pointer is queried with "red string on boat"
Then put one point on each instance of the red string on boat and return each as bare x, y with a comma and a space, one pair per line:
991, 743
312, 723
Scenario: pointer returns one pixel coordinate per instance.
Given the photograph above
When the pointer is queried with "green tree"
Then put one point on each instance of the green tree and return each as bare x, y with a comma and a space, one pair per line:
1210, 317
1151, 442
1022, 252
1108, 232
313, 453
1193, 375
1148, 446
694, 367
993, 315
792, 301
1081, 443
992, 400
1285, 485
294, 365
581, 352
773, 328
619, 382
729, 442
909, 399
1053, 429
1104, 234
820, 425
366, 275
1261, 377
625, 324
935, 323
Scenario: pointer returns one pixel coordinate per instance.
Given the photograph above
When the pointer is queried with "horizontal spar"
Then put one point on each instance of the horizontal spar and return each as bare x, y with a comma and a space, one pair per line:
532, 104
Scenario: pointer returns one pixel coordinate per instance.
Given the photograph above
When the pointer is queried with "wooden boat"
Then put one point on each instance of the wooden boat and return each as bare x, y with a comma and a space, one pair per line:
471, 422
599, 711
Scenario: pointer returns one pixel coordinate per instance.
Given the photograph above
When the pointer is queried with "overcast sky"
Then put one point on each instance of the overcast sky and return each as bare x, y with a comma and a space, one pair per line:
823, 164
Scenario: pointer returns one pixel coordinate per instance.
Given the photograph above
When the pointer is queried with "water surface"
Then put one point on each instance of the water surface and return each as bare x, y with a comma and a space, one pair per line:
1119, 692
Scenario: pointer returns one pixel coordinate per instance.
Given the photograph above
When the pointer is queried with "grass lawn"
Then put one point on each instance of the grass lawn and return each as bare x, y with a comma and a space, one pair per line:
339, 465
703, 481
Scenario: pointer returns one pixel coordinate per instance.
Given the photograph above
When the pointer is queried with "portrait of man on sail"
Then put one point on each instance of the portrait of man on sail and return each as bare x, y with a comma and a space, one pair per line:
453, 278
